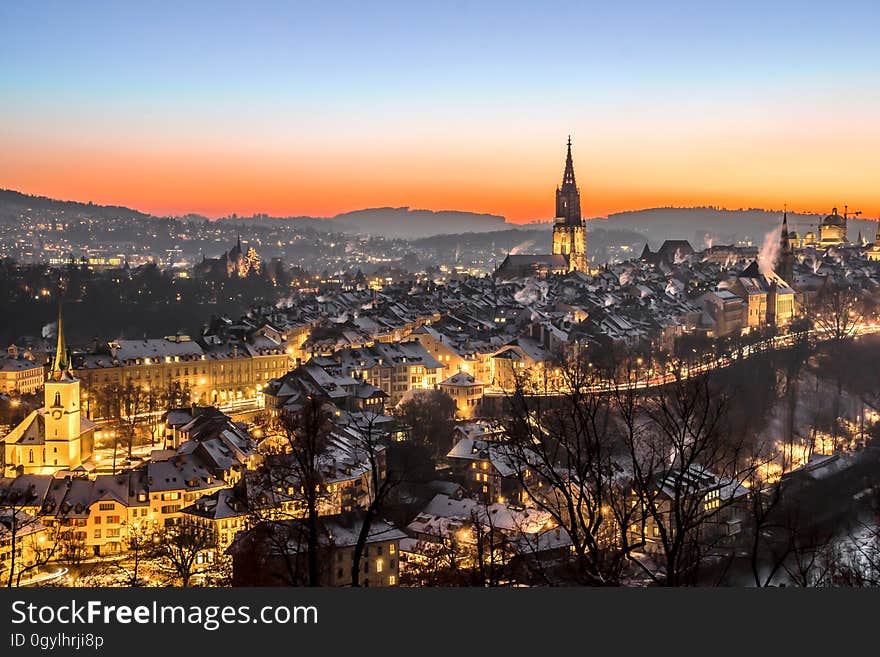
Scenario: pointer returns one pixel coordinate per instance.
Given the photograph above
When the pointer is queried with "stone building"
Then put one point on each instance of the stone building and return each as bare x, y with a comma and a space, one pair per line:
56, 437
569, 236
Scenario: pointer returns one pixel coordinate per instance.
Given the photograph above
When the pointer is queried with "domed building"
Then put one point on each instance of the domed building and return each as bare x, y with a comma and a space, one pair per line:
832, 230
873, 251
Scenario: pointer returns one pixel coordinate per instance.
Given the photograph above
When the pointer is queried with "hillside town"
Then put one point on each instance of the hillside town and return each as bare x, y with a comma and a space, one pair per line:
679, 417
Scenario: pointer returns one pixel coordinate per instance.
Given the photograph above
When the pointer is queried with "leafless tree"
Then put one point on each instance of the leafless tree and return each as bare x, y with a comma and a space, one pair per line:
431, 415
290, 485
769, 532
492, 548
368, 441
564, 452
141, 547
21, 523
180, 545
686, 470
837, 312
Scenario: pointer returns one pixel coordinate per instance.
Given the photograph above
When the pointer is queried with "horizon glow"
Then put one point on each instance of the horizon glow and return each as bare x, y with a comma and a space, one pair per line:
298, 109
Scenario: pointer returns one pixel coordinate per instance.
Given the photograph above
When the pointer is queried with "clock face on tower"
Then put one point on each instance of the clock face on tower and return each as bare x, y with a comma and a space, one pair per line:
56, 414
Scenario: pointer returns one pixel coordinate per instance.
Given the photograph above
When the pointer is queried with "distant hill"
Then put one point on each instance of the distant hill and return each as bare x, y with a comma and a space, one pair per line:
699, 225
703, 225
390, 222
13, 203
408, 223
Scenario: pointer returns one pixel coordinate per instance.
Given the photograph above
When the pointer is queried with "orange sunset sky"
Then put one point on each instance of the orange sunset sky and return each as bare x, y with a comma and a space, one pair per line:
443, 108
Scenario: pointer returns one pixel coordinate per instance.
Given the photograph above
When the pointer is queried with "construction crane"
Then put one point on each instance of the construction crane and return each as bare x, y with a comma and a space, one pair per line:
846, 212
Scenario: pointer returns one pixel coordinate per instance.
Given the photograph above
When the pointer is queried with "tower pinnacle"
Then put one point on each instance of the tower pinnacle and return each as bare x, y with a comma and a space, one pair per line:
785, 263
568, 198
61, 362
568, 175
569, 230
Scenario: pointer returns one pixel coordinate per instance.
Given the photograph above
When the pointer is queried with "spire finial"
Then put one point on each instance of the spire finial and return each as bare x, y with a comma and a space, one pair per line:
61, 363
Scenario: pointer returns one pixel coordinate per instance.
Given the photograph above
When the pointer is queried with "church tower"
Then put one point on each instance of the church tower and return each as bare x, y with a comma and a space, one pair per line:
785, 265
569, 229
62, 410
55, 437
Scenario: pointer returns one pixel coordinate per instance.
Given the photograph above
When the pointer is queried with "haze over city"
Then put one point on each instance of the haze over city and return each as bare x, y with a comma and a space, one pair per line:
293, 109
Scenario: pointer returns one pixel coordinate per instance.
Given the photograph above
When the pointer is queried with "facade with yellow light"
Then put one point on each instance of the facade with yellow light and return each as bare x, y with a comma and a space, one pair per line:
466, 391
56, 437
226, 375
31, 541
20, 373
832, 230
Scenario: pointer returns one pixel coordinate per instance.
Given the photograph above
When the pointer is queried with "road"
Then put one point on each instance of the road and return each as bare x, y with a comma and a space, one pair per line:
688, 371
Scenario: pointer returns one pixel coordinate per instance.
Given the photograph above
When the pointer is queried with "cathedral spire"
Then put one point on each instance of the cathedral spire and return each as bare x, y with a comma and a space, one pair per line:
61, 362
568, 198
568, 175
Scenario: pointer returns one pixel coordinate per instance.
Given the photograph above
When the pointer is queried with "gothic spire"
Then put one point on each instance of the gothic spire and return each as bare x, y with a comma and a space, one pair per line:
568, 198
785, 260
568, 176
61, 362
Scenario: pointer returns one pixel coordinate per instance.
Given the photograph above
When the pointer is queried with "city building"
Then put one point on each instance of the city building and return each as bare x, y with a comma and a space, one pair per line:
832, 230
465, 390
725, 313
569, 229
20, 373
30, 543
394, 368
214, 370
569, 252
873, 252
276, 553
487, 470
223, 513
767, 299
56, 437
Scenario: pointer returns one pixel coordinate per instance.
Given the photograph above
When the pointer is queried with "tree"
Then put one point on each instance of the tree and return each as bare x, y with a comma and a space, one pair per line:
368, 440
180, 545
492, 548
141, 547
838, 312
30, 544
431, 415
134, 405
767, 548
471, 552
157, 400
687, 469
564, 452
290, 486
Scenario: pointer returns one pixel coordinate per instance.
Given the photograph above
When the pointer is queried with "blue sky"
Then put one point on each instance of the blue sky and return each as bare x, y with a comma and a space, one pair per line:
262, 77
